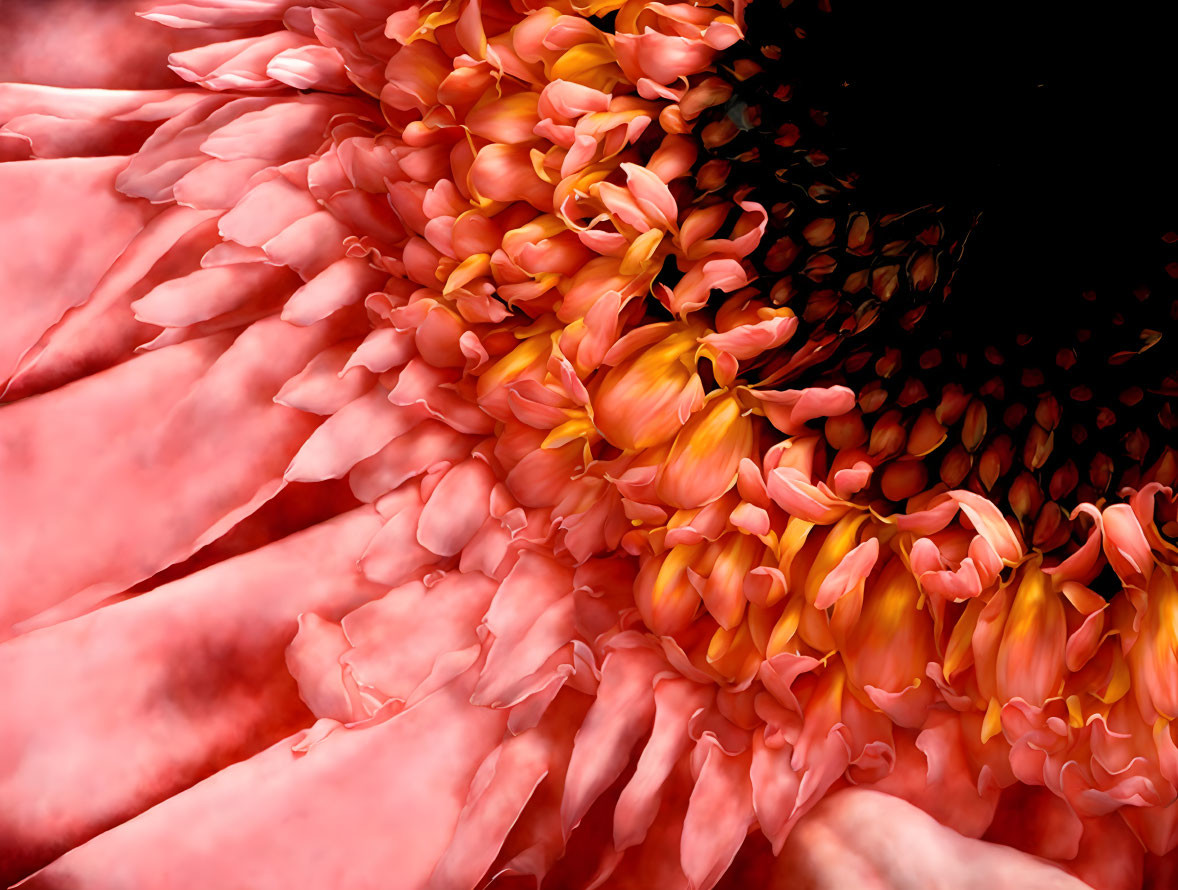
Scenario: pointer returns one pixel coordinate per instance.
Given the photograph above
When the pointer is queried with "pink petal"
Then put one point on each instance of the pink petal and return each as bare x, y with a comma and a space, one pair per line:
321, 387
310, 67
398, 639
603, 744
394, 556
852, 839
990, 524
652, 194
718, 817
68, 209
207, 293
313, 659
358, 430
456, 508
382, 349
848, 574
675, 700
279, 130
102, 331
775, 789
218, 13
169, 464
1125, 543
210, 646
235, 64
404, 458
265, 211
360, 803
501, 788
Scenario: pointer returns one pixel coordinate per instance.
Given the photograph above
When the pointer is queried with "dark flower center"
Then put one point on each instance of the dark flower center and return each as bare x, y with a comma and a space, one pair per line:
965, 198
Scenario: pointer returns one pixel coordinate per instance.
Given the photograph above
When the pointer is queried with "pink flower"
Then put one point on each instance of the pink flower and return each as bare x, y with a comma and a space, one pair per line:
367, 522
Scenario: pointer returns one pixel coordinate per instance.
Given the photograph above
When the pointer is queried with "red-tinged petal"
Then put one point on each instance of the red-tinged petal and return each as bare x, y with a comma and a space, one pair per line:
851, 839
398, 640
1110, 856
313, 659
456, 508
603, 744
217, 635
675, 700
718, 816
530, 618
850, 572
990, 524
1125, 544
343, 283
358, 430
501, 788
936, 774
207, 293
102, 331
335, 832
173, 462
394, 556
69, 208
235, 64
775, 789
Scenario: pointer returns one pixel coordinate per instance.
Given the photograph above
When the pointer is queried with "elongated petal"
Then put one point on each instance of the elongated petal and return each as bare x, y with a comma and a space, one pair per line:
69, 208
718, 816
392, 792
603, 744
210, 645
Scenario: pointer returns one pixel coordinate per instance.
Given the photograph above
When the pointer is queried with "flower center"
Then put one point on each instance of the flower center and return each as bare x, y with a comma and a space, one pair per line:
984, 252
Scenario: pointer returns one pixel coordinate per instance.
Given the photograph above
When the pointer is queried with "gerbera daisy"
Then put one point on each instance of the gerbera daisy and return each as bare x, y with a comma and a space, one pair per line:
482, 442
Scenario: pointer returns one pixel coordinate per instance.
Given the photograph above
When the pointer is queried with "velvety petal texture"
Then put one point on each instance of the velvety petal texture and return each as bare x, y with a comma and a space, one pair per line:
408, 479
